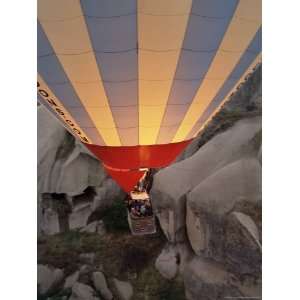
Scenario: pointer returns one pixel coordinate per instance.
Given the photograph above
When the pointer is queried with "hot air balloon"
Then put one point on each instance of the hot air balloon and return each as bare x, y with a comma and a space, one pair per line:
136, 80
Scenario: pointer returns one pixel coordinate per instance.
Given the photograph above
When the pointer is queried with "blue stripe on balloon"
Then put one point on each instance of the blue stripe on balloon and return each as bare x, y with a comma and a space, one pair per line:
248, 57
206, 28
113, 40
108, 8
52, 72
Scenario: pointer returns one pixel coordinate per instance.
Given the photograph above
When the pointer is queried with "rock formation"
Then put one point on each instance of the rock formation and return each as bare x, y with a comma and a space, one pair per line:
172, 184
124, 289
82, 291
101, 285
211, 201
48, 278
71, 280
72, 185
167, 262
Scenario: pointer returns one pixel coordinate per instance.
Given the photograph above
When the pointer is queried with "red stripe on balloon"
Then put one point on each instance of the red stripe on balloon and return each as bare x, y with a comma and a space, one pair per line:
135, 157
123, 163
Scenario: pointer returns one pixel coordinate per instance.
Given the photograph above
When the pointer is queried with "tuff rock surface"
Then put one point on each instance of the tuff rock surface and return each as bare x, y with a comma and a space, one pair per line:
48, 278
72, 184
101, 285
82, 291
166, 263
209, 204
172, 184
124, 289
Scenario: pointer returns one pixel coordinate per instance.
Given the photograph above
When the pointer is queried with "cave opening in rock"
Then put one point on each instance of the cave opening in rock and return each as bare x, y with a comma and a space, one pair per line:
58, 203
87, 196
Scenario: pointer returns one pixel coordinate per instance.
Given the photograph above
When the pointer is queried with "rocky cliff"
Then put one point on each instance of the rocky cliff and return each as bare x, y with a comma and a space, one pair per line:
209, 202
72, 185
209, 206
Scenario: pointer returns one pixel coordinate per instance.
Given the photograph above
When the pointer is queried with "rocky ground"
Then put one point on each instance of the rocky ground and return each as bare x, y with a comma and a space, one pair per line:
208, 206
108, 266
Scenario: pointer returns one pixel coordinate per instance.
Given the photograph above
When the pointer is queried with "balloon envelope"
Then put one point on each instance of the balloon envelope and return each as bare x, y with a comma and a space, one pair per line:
136, 80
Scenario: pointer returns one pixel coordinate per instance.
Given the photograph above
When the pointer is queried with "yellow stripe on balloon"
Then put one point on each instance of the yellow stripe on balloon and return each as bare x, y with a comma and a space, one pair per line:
236, 40
66, 30
253, 64
161, 30
56, 105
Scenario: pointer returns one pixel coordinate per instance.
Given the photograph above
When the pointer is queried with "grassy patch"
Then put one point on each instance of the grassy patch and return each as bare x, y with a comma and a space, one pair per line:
152, 286
172, 290
121, 255
126, 254
63, 250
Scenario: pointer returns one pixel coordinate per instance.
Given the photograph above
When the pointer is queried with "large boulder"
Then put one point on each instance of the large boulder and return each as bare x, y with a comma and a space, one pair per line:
173, 259
249, 226
78, 162
241, 248
123, 288
50, 136
60, 159
207, 280
100, 284
167, 262
48, 278
82, 291
172, 184
218, 193
212, 230
71, 280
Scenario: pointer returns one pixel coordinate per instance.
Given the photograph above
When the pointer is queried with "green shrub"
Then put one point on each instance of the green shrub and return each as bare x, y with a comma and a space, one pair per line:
115, 217
172, 290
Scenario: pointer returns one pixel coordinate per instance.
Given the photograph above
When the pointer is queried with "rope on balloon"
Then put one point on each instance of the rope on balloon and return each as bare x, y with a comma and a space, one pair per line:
135, 13
141, 79
147, 50
137, 126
